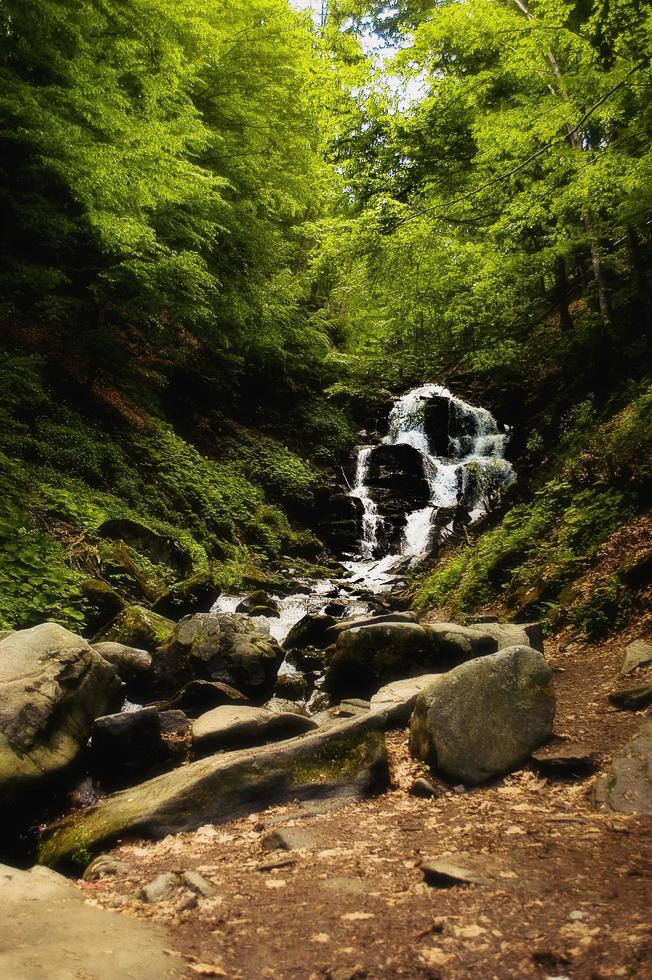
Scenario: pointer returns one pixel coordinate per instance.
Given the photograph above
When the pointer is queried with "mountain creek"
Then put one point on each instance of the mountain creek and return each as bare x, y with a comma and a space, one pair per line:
311, 779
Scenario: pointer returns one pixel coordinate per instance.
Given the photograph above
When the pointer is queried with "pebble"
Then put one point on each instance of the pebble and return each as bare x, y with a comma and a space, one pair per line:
422, 787
161, 888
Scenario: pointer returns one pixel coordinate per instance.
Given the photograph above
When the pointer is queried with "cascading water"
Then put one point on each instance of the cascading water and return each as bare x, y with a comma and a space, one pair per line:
473, 461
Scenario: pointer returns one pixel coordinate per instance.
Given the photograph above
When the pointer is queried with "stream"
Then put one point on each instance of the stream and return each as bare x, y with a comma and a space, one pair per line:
471, 458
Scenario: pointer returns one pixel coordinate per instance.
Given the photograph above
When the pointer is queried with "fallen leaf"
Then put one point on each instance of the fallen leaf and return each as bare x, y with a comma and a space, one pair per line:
435, 956
320, 937
208, 969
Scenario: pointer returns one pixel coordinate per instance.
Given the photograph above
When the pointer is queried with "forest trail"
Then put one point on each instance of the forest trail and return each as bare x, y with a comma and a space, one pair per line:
569, 888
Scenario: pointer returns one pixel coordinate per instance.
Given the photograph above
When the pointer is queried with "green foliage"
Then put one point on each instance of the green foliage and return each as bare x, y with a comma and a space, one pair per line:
605, 610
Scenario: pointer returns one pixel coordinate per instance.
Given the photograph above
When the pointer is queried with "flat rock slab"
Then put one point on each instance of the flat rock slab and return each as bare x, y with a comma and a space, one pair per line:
47, 932
239, 726
399, 698
289, 839
348, 760
513, 634
637, 654
448, 871
572, 759
632, 698
627, 786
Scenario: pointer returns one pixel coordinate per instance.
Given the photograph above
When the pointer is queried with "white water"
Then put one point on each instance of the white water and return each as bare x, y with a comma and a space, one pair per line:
477, 441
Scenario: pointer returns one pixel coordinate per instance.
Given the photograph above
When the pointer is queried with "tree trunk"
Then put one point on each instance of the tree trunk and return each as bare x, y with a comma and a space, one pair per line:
561, 293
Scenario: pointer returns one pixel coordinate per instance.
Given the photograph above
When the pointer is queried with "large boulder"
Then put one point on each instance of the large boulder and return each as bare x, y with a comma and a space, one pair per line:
366, 657
50, 931
159, 548
312, 630
398, 699
136, 627
228, 647
627, 786
199, 696
396, 481
52, 687
258, 603
127, 746
234, 726
347, 760
485, 717
513, 634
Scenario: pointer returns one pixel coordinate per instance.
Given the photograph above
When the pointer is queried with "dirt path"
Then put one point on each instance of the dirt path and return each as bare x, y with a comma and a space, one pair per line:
570, 892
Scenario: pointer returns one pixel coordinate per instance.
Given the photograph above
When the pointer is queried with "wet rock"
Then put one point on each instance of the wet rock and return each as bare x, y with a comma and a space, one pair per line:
258, 603
200, 696
228, 648
294, 687
336, 609
396, 482
627, 786
312, 630
365, 658
48, 930
423, 788
127, 746
305, 660
136, 627
132, 666
282, 706
52, 686
337, 518
445, 872
193, 595
346, 761
569, 760
637, 654
289, 839
232, 726
485, 717
162, 888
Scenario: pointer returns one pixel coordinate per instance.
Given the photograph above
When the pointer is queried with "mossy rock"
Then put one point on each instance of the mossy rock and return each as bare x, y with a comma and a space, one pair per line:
104, 600
197, 594
137, 627
346, 760
159, 548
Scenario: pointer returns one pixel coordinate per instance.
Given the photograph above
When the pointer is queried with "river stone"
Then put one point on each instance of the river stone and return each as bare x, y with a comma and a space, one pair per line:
235, 726
346, 761
133, 666
49, 931
136, 627
200, 696
392, 617
399, 698
513, 634
312, 630
283, 705
485, 717
258, 603
365, 658
228, 648
52, 686
193, 595
627, 786
637, 654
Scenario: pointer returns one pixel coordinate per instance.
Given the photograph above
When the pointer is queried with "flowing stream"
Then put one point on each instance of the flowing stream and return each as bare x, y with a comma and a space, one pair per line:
473, 461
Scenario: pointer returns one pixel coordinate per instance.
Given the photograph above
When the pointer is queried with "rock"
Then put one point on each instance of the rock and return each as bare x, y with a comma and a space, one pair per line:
132, 666
423, 788
282, 706
288, 839
105, 601
193, 595
627, 786
444, 872
346, 761
565, 760
233, 726
637, 571
337, 518
637, 654
632, 698
396, 481
305, 660
159, 548
365, 658
258, 603
228, 648
485, 717
126, 746
175, 723
200, 696
294, 686
162, 888
436, 418
49, 931
399, 698
312, 630
512, 634
104, 866
137, 627
197, 884
392, 617
335, 608
52, 686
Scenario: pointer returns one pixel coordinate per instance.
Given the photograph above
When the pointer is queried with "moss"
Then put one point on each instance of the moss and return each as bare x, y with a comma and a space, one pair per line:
137, 627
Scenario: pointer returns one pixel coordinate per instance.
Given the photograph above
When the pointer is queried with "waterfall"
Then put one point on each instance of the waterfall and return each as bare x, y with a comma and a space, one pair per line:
473, 461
